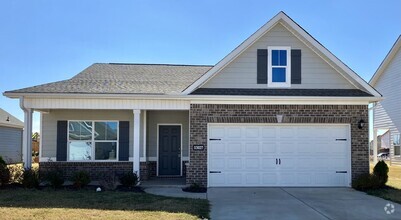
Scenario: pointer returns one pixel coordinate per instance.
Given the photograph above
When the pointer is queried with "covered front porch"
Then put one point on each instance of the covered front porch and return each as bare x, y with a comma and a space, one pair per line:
152, 141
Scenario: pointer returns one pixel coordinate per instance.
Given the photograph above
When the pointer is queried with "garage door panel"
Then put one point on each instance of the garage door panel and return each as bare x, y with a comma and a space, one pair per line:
234, 147
269, 148
251, 147
252, 132
250, 155
234, 163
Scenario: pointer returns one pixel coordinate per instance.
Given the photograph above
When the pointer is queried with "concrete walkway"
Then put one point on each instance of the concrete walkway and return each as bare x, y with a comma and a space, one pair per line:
297, 203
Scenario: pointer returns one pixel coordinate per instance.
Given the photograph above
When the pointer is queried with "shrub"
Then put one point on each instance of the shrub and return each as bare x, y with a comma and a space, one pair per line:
80, 179
366, 182
381, 171
2, 162
16, 173
55, 178
129, 179
195, 188
30, 178
108, 180
4, 174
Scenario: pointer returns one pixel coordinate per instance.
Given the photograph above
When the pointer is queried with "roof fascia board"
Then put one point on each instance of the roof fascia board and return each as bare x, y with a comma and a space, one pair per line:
387, 60
184, 97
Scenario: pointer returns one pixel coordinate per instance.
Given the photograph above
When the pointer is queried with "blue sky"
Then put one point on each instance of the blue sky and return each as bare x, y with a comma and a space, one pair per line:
46, 41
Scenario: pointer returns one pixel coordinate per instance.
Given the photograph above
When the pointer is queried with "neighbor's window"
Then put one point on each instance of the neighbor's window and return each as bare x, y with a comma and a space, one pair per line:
279, 67
92, 140
396, 144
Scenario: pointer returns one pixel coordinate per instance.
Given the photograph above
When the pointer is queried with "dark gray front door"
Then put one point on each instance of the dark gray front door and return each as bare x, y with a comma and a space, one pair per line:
169, 150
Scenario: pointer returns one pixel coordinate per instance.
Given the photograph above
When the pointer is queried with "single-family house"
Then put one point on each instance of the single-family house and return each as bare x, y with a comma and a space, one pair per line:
11, 129
387, 112
279, 110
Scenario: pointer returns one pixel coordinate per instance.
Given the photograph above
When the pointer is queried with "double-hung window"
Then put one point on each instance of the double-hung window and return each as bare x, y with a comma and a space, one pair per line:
92, 140
279, 67
396, 144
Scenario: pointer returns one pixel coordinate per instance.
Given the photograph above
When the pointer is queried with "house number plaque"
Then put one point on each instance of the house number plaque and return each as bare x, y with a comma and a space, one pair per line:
199, 147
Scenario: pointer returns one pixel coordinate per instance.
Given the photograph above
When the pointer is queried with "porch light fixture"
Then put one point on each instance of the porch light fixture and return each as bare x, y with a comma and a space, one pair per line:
279, 118
361, 124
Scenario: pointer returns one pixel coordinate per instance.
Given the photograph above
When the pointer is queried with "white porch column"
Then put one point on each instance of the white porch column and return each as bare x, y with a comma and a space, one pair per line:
374, 146
27, 139
137, 136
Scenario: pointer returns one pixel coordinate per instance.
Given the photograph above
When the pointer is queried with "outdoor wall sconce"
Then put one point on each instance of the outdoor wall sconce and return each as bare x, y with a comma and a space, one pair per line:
8, 118
361, 124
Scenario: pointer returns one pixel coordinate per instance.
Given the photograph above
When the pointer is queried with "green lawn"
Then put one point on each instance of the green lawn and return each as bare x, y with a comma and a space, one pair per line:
87, 204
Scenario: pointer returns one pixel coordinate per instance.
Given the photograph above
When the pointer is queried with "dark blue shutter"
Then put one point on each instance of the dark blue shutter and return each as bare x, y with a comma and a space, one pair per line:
61, 141
262, 66
123, 143
296, 66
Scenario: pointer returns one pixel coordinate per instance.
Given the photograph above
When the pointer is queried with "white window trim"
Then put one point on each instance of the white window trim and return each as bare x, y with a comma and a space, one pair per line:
93, 141
270, 83
395, 145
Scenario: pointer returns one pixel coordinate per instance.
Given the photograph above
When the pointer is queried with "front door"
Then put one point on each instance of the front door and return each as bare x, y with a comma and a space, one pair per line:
169, 150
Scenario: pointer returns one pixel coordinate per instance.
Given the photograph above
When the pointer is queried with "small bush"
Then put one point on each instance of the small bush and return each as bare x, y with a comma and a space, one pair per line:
381, 171
366, 182
129, 179
55, 178
108, 180
80, 179
195, 188
30, 178
4, 175
2, 162
16, 173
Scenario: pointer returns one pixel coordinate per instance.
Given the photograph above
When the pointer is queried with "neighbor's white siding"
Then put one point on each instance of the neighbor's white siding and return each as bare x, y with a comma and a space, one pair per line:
11, 144
387, 113
316, 73
49, 127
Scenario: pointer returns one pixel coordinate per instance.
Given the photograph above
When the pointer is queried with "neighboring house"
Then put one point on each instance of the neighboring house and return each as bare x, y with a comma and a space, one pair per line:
10, 137
387, 113
279, 110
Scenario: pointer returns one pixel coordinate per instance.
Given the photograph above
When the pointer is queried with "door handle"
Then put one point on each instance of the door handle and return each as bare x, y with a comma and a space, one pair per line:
279, 161
276, 161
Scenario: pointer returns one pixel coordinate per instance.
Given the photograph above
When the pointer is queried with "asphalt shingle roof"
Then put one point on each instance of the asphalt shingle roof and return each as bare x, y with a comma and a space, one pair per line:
282, 92
113, 78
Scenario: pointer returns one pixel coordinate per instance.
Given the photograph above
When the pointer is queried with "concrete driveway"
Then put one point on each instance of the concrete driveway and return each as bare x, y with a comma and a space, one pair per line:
297, 203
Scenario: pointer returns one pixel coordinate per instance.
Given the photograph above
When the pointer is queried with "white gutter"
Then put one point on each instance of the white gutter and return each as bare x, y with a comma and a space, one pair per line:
188, 97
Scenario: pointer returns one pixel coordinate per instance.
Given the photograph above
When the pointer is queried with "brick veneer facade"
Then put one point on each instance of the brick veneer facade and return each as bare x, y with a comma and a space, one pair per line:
96, 170
202, 114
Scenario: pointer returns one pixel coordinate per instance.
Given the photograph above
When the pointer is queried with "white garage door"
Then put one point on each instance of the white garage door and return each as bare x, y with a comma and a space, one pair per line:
278, 155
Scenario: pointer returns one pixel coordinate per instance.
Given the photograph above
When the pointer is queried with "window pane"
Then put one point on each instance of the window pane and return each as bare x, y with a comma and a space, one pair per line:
275, 57
105, 130
397, 150
80, 150
278, 74
283, 58
80, 130
105, 150
396, 139
279, 58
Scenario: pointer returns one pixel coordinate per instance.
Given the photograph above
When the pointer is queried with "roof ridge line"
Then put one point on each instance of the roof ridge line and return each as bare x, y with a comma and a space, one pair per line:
158, 64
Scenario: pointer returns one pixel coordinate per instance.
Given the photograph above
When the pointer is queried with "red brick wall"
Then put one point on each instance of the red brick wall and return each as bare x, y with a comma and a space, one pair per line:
202, 114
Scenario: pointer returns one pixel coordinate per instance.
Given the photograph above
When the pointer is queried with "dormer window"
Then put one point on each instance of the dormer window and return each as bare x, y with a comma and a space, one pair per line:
279, 67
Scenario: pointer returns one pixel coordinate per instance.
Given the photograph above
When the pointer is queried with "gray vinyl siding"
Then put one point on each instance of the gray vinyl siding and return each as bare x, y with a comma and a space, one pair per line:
387, 113
49, 125
166, 117
316, 73
11, 144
